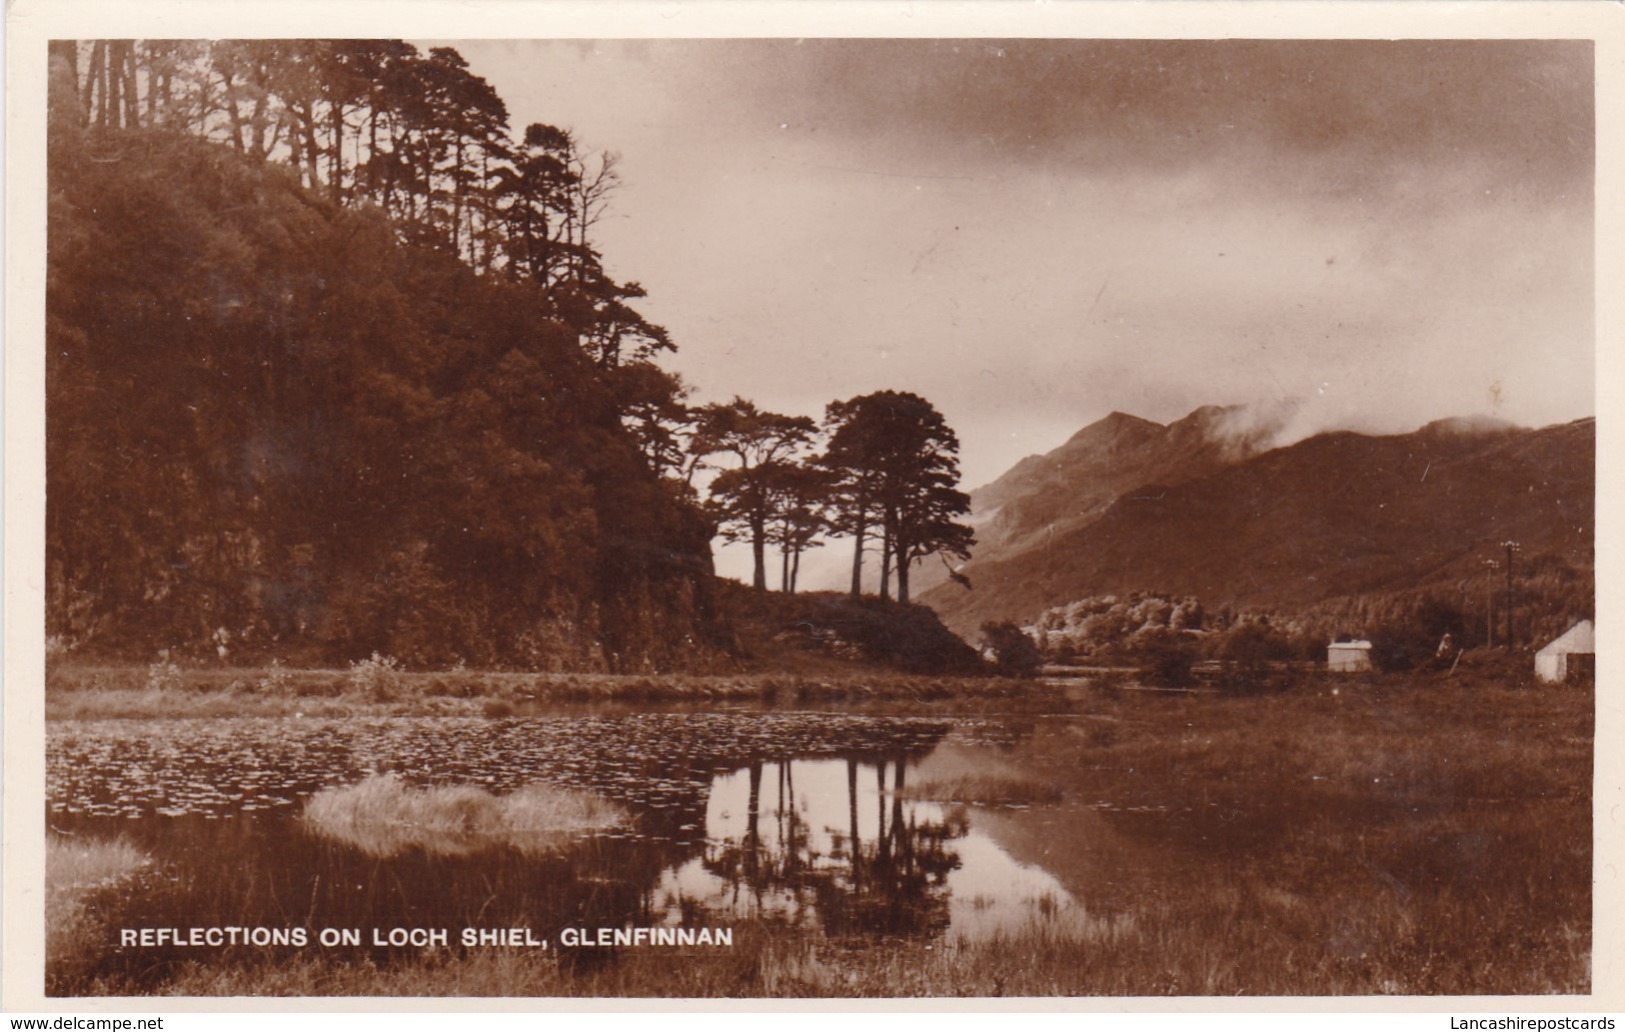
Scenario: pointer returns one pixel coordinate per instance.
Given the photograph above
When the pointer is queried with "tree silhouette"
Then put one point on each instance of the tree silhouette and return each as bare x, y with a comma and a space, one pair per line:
761, 442
898, 464
853, 465
800, 493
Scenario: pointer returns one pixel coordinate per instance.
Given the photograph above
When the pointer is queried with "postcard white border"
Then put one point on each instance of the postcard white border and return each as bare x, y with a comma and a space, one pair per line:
30, 23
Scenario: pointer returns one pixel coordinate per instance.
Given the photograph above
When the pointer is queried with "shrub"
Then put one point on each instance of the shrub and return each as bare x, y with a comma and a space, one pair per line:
1245, 648
1015, 654
277, 679
878, 631
1409, 637
378, 676
1165, 656
164, 675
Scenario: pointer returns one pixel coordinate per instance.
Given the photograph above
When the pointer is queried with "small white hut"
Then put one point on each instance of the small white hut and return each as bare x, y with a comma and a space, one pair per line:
1571, 654
1347, 657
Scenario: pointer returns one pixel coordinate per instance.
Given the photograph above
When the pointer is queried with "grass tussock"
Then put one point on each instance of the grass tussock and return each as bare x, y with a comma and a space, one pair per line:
74, 866
77, 872
383, 816
991, 789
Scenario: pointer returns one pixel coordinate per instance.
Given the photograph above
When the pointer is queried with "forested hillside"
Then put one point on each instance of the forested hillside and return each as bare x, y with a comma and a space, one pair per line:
333, 367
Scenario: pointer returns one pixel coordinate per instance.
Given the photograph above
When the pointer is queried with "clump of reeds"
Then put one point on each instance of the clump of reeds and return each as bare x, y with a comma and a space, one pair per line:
383, 816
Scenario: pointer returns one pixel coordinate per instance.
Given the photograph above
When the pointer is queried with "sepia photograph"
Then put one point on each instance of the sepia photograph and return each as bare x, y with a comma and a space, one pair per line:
818, 517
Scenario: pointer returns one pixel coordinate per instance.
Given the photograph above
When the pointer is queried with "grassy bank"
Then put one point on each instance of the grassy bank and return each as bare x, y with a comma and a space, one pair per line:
100, 692
79, 875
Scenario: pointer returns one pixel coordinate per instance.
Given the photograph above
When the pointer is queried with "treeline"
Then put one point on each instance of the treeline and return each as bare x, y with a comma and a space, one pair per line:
1168, 634
888, 471
420, 138
1550, 592
334, 367
270, 428
372, 121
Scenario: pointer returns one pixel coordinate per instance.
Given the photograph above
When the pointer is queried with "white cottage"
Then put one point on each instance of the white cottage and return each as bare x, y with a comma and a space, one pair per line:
1571, 654
1348, 656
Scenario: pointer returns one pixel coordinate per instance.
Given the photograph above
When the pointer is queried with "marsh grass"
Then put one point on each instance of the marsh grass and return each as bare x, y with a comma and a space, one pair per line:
1402, 835
77, 872
383, 816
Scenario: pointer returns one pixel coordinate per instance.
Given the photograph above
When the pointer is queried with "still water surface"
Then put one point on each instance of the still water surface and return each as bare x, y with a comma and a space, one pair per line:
802, 818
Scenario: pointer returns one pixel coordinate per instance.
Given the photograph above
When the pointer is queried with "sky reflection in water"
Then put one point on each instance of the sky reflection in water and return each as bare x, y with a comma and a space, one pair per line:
787, 839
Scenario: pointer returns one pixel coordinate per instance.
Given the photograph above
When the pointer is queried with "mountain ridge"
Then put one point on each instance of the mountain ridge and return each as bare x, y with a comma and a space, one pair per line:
1233, 522
1055, 492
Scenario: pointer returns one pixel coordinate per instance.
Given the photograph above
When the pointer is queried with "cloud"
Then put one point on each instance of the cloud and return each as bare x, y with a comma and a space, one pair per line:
1032, 233
1357, 113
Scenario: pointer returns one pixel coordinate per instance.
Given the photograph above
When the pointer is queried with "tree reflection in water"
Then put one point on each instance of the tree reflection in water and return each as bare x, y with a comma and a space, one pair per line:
877, 865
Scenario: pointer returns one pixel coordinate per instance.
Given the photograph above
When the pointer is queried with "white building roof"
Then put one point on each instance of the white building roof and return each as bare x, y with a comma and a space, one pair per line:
1582, 637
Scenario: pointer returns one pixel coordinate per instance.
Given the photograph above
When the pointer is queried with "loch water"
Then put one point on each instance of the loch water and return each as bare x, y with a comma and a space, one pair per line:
802, 818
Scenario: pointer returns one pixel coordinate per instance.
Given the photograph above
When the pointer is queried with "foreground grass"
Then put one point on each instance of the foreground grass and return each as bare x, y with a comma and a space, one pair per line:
382, 817
1234, 949
102, 692
767, 960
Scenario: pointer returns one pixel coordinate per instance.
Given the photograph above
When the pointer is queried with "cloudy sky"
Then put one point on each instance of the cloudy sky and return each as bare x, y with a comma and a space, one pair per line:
1032, 233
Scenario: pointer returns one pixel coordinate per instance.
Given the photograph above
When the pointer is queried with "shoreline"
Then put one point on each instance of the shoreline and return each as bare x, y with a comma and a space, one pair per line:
133, 692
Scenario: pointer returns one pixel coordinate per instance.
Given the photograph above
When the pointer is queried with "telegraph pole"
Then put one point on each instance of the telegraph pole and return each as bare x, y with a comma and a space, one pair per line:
1511, 547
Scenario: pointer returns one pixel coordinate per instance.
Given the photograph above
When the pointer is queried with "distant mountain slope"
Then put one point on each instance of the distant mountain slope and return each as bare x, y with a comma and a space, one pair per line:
1338, 514
1044, 495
